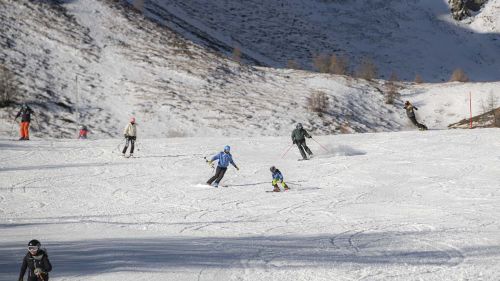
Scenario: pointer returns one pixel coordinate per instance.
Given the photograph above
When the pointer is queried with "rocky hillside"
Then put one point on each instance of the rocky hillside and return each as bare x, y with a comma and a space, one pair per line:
462, 9
406, 37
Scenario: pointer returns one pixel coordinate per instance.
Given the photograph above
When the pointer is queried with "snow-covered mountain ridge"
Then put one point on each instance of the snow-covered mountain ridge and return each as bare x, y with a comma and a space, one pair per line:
97, 62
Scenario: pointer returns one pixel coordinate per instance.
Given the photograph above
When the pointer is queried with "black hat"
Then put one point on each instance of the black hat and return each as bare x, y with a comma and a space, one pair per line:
34, 242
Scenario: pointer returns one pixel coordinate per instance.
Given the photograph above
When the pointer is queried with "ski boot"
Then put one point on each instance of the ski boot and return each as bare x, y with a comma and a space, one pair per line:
276, 188
286, 187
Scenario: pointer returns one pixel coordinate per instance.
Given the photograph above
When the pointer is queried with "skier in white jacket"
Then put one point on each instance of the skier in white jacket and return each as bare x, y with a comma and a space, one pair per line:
130, 133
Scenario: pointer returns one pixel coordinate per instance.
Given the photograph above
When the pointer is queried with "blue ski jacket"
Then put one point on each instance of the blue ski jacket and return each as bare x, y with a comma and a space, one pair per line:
224, 159
277, 175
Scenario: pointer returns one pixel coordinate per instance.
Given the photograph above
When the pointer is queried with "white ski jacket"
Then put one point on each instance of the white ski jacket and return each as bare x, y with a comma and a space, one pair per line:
130, 130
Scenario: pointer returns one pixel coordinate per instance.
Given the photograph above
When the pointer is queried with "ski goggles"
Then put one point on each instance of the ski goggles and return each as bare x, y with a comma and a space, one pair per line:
32, 248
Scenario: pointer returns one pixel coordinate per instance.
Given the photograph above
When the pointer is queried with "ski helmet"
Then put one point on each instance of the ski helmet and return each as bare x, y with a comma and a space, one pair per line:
132, 120
299, 125
227, 148
272, 169
34, 244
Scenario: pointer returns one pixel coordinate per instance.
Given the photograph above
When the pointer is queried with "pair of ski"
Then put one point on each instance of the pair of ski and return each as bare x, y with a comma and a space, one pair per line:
286, 190
305, 159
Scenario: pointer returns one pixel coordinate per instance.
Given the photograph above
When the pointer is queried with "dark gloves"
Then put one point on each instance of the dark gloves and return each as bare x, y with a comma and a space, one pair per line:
294, 142
309, 137
415, 108
38, 271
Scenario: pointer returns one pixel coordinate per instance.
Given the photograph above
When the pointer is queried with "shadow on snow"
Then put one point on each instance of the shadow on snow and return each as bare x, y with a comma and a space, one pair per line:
164, 254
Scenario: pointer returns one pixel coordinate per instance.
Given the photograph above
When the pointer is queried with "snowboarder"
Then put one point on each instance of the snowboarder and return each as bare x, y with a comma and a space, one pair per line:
299, 136
83, 132
36, 261
130, 133
25, 114
411, 114
224, 158
278, 177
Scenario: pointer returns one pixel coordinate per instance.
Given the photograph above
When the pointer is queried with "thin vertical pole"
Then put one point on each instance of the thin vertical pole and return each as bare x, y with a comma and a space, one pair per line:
77, 102
470, 108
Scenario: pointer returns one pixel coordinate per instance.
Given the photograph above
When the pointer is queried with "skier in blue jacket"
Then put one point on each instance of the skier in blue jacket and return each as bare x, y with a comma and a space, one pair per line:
278, 177
224, 159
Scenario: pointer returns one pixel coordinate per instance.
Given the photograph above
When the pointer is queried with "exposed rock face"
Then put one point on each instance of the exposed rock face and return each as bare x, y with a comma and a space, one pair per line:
461, 9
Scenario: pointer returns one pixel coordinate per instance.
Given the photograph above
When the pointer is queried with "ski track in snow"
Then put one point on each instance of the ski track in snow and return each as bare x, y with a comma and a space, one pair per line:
429, 213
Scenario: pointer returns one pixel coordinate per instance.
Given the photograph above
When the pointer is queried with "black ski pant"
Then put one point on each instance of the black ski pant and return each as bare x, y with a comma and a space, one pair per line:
128, 140
415, 122
301, 144
219, 174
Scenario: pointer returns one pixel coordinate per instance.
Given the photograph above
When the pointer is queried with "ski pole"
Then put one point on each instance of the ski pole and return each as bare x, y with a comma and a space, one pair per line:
286, 151
37, 124
208, 162
11, 130
118, 146
320, 145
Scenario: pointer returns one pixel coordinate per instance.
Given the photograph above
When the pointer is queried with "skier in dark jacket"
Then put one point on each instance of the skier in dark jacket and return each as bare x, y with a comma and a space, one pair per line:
411, 114
36, 262
299, 136
224, 159
25, 114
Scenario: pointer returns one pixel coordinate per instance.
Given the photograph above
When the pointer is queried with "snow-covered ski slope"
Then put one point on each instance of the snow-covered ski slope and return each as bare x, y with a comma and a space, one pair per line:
408, 37
385, 206
127, 66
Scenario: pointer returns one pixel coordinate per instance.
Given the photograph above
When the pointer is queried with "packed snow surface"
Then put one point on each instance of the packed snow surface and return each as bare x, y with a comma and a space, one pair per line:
385, 206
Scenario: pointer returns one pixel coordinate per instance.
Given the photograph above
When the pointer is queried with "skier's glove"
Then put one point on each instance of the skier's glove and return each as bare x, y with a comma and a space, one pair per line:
294, 142
309, 137
38, 271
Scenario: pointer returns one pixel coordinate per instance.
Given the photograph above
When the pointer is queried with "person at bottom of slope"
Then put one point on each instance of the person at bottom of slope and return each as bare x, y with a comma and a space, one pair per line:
411, 114
36, 261
130, 133
224, 158
278, 177
25, 114
299, 136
